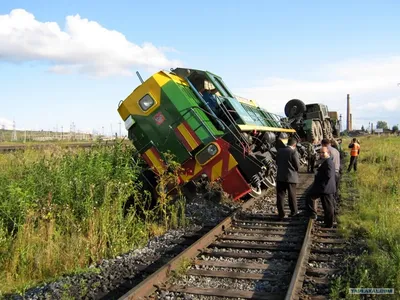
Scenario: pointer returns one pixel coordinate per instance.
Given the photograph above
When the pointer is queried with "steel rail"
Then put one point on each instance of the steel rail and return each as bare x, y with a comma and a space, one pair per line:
150, 284
296, 283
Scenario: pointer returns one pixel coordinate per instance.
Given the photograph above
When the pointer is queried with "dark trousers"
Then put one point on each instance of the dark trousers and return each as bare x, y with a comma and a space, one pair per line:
328, 204
311, 164
281, 188
353, 163
337, 179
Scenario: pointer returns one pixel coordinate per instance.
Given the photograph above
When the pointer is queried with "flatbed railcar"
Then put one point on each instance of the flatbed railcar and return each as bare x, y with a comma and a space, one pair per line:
213, 134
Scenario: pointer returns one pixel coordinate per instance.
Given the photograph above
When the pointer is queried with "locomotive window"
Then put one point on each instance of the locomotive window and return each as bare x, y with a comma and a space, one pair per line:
222, 87
146, 102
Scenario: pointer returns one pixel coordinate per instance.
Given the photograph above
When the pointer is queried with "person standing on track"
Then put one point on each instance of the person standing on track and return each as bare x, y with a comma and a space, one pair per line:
324, 187
335, 155
288, 163
354, 152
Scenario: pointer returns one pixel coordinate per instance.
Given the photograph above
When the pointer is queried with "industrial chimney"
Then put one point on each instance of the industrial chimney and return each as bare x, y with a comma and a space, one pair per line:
348, 114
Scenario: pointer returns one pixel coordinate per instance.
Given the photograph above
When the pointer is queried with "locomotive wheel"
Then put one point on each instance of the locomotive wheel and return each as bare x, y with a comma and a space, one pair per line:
255, 191
270, 180
294, 107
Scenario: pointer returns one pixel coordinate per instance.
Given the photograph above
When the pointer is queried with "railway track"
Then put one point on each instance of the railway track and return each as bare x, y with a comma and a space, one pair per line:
323, 252
252, 256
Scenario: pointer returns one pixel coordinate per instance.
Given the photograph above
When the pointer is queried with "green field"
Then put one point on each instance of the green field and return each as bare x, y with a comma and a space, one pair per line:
62, 209
370, 217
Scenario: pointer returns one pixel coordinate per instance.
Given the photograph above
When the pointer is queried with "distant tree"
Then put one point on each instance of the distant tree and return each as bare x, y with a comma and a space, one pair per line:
395, 128
382, 124
362, 128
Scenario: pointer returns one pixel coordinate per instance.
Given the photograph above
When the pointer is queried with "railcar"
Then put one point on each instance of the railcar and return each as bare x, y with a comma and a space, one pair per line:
213, 134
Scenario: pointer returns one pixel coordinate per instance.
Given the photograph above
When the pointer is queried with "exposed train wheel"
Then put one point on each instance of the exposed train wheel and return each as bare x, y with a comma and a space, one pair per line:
255, 191
269, 180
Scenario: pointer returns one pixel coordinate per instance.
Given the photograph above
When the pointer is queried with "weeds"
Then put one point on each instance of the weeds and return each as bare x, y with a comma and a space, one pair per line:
63, 209
371, 216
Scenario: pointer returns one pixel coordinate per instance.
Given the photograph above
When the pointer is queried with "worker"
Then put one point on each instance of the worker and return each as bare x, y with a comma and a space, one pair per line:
354, 153
288, 164
324, 187
339, 142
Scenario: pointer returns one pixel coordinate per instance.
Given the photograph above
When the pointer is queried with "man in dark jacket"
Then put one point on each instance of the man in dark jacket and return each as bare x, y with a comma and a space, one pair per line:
324, 187
288, 164
279, 141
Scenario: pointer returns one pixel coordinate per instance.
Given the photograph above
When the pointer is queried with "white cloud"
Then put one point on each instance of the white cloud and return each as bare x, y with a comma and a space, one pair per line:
5, 123
389, 105
85, 46
372, 84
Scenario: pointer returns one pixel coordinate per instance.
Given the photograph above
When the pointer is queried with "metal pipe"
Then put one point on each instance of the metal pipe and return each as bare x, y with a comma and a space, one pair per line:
140, 77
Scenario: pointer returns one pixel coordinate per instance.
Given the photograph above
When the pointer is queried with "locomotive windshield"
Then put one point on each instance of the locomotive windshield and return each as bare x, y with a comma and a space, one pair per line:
217, 96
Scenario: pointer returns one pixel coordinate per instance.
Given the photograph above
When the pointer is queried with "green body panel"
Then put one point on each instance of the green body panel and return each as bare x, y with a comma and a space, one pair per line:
146, 130
262, 117
182, 99
176, 101
271, 119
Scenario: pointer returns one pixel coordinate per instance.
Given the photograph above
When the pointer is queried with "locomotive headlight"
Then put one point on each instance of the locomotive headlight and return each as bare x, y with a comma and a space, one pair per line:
207, 153
146, 102
212, 149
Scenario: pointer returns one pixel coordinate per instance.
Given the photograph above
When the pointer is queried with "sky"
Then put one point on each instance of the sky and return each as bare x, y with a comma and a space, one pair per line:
64, 62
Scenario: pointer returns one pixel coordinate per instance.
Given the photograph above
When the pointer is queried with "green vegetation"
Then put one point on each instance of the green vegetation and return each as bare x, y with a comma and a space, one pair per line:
63, 209
371, 215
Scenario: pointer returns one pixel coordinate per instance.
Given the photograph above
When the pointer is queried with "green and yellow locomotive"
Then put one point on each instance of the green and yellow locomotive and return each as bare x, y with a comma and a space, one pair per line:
213, 134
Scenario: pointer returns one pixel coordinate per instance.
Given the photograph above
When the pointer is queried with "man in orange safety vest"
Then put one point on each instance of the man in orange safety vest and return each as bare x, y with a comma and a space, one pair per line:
354, 152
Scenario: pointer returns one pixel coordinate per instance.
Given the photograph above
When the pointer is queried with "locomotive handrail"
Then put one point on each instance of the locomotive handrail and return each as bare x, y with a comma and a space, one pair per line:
227, 127
197, 118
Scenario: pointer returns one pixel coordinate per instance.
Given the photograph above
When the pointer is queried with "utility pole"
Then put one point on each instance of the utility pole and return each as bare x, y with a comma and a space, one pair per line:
14, 135
111, 130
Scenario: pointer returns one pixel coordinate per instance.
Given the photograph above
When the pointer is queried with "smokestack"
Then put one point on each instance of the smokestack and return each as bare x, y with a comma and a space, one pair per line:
348, 114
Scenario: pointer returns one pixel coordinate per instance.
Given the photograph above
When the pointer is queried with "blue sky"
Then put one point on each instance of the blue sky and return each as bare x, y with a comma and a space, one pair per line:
268, 51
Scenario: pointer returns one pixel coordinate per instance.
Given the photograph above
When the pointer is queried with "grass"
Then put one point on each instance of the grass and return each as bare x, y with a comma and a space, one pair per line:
371, 217
63, 209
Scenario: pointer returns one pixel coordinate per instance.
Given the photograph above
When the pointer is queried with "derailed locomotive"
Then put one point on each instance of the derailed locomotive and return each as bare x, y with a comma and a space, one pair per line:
213, 134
